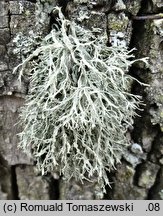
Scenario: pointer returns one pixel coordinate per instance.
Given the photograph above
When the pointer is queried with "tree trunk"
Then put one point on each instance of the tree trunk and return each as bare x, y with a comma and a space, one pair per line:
140, 174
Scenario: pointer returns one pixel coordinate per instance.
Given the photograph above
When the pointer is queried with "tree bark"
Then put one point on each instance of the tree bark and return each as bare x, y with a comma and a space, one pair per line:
140, 174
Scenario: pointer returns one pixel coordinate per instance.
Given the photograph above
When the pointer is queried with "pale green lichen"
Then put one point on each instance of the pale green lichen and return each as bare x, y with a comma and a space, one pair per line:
78, 108
25, 44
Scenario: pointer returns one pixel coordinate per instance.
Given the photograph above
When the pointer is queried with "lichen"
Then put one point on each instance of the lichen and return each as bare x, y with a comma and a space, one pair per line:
78, 108
119, 27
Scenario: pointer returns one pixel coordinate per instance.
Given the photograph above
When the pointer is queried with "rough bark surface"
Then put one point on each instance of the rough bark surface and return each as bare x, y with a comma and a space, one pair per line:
140, 174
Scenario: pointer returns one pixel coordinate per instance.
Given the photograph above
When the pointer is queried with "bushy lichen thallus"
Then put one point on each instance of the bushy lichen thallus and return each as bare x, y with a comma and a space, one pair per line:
78, 107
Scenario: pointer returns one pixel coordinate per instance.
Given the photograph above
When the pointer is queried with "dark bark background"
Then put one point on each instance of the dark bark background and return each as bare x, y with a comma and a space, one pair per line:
140, 175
